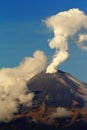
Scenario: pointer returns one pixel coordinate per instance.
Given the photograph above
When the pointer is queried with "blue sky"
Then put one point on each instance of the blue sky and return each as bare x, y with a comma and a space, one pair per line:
22, 32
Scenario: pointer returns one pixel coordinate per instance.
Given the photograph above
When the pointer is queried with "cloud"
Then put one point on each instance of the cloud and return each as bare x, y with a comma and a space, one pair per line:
13, 89
61, 112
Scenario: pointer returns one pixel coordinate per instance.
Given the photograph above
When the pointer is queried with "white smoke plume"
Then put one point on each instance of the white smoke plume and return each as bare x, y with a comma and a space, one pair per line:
61, 112
67, 25
13, 89
82, 38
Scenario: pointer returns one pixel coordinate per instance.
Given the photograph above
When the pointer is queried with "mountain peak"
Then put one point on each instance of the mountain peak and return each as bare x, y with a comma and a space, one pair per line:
61, 89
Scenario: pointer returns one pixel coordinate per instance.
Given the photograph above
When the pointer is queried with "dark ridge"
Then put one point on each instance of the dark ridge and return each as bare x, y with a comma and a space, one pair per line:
23, 123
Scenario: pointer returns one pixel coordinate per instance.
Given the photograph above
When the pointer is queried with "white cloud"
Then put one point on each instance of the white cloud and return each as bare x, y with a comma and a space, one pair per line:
13, 90
61, 112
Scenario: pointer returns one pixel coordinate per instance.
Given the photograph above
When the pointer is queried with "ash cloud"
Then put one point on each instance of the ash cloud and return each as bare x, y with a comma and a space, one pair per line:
71, 24
13, 90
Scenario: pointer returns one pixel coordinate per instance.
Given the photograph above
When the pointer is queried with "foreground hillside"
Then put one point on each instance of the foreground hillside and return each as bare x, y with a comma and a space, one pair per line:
24, 123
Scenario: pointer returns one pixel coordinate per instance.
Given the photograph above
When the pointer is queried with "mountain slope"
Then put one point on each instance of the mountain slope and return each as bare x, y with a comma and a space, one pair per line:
58, 90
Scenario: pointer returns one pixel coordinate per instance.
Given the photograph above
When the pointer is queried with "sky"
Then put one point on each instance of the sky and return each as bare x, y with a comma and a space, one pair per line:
22, 32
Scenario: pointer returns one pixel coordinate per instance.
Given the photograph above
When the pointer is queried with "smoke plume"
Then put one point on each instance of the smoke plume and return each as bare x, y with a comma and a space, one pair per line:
13, 90
67, 25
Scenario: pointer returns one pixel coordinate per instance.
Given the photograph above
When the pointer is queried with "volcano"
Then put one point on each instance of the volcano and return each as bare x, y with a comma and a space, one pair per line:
59, 89
54, 93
